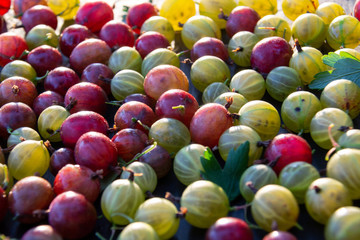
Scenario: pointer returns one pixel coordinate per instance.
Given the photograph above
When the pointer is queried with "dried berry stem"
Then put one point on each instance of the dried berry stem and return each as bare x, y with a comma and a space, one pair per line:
222, 15
72, 103
49, 147
181, 213
298, 46
187, 61
172, 198
273, 163
229, 101
238, 49
7, 150
250, 185
148, 194
97, 174
132, 174
105, 79
317, 189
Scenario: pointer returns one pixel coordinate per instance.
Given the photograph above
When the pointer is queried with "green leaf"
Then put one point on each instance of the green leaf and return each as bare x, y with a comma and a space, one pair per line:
211, 167
236, 164
348, 55
228, 177
331, 59
346, 67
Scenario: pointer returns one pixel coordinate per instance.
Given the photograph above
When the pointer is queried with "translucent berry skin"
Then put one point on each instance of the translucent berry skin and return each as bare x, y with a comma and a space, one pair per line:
229, 228
208, 123
94, 15
96, 151
279, 235
209, 46
72, 216
287, 148
242, 18
72, 36
174, 98
138, 14
39, 14
79, 179
270, 53
117, 34
129, 142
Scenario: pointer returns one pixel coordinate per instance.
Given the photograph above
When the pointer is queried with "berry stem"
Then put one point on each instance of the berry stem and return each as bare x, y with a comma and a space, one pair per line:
298, 226
187, 61
172, 198
122, 215
317, 189
38, 79
250, 185
181, 213
99, 236
49, 147
180, 108
52, 132
222, 15
237, 208
273, 163
23, 54
182, 53
115, 103
238, 49
132, 174
229, 101
72, 103
7, 150
335, 147
105, 79
298, 46
251, 225
300, 132
137, 156
134, 120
